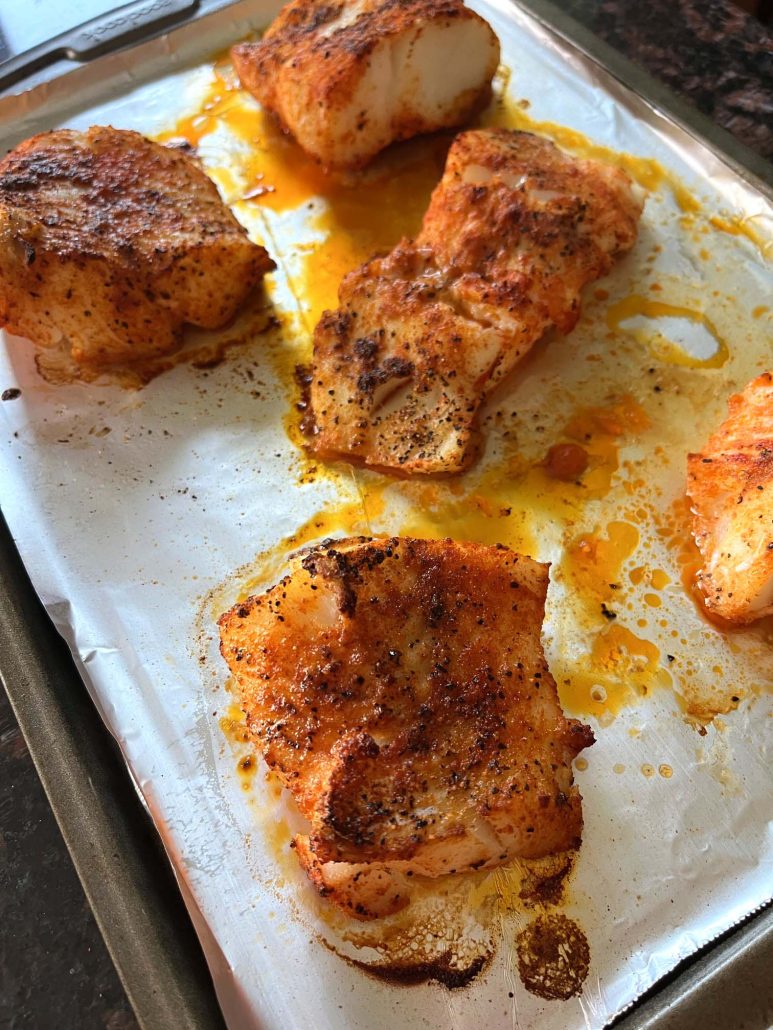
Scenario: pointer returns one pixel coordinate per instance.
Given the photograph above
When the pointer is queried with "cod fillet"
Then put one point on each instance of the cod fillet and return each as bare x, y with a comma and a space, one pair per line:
398, 688
730, 483
514, 231
111, 243
348, 77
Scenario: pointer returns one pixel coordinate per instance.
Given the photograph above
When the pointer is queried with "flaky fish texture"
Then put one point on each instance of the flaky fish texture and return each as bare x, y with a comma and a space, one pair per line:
514, 231
348, 77
398, 689
113, 243
730, 483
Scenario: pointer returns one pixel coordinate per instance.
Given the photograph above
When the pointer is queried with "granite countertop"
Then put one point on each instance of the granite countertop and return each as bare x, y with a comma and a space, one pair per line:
54, 969
708, 51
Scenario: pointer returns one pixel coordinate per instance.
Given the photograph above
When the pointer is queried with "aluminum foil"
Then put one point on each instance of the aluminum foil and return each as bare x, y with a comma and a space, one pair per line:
141, 514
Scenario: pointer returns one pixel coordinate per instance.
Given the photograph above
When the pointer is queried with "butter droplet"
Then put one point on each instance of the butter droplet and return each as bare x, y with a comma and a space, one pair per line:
648, 770
619, 767
666, 771
581, 764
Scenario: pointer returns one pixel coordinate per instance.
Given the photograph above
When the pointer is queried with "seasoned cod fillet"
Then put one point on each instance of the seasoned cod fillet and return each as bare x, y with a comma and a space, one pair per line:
113, 242
399, 690
514, 231
348, 77
730, 484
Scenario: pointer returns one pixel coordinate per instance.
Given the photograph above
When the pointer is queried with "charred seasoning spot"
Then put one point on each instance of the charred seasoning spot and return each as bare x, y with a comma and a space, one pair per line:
247, 767
553, 957
303, 378
545, 885
441, 969
11, 394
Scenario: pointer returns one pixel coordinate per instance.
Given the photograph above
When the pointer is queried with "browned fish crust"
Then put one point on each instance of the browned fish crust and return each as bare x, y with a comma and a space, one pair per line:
399, 690
514, 231
114, 243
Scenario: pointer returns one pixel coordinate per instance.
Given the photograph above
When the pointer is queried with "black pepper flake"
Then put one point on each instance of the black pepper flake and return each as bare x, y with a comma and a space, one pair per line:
607, 613
11, 393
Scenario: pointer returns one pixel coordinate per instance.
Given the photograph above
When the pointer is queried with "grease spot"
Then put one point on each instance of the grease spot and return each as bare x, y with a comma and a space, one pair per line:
553, 957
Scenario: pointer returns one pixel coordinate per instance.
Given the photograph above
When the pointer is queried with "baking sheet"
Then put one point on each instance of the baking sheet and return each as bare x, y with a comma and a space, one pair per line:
135, 511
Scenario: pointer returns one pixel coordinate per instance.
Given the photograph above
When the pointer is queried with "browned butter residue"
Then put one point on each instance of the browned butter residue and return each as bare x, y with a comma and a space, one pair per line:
246, 767
525, 883
553, 957
452, 928
444, 969
445, 934
544, 880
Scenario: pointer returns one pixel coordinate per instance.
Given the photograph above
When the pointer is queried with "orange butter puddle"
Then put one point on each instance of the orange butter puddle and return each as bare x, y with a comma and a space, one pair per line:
508, 501
735, 226
279, 175
619, 666
663, 348
365, 212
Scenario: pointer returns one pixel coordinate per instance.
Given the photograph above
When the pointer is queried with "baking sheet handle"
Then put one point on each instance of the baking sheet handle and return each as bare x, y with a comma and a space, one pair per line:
112, 842
109, 31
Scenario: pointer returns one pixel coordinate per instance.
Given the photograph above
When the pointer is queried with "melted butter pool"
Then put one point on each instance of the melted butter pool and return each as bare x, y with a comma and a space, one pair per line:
675, 335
